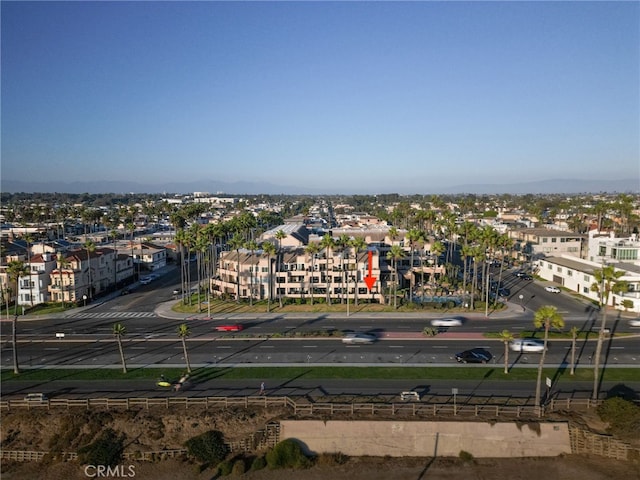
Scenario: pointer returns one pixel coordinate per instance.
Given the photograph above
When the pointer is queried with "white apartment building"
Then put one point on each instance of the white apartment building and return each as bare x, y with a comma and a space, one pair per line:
577, 275
34, 289
534, 243
605, 246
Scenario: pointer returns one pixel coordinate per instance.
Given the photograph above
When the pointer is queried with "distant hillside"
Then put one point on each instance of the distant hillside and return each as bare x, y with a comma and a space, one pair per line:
569, 186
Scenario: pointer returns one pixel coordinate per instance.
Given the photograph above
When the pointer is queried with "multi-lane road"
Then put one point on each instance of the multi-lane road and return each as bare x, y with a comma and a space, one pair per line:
84, 338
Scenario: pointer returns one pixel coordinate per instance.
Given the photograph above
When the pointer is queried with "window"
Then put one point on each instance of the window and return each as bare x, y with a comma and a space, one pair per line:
587, 278
585, 290
545, 240
554, 240
559, 269
569, 273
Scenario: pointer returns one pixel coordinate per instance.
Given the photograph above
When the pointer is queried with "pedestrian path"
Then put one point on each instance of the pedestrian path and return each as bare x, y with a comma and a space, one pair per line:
112, 315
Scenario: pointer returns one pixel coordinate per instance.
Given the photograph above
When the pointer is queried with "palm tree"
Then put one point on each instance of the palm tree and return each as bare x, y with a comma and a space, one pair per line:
120, 331
236, 243
395, 254
607, 282
270, 249
312, 250
183, 333
546, 316
28, 238
327, 243
574, 335
358, 244
15, 270
252, 246
413, 236
506, 336
180, 239
280, 235
63, 263
436, 249
342, 243
89, 247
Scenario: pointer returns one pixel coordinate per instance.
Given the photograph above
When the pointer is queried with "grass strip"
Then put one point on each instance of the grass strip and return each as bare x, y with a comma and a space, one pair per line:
493, 373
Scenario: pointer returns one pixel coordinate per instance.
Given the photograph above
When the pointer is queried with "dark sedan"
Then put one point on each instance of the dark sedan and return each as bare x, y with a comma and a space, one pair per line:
475, 355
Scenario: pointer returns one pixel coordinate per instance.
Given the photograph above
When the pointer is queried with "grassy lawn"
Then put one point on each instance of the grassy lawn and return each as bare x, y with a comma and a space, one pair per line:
410, 373
319, 306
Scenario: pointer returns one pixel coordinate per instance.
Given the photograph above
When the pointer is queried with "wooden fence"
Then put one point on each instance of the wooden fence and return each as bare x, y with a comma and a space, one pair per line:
583, 441
494, 406
263, 439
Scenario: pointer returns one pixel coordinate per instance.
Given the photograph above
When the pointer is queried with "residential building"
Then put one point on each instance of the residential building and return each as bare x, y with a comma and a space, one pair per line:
577, 275
81, 275
605, 246
535, 243
34, 289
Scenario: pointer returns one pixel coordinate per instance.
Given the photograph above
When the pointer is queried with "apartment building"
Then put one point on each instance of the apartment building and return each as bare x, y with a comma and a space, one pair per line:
534, 243
577, 275
294, 273
606, 246
79, 274
34, 288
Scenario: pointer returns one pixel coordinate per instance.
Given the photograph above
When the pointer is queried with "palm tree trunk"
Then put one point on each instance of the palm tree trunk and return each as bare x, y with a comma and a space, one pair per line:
596, 364
541, 365
14, 341
122, 359
186, 354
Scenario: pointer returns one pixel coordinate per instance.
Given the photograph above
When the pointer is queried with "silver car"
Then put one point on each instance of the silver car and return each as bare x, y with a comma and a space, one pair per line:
356, 338
527, 345
446, 322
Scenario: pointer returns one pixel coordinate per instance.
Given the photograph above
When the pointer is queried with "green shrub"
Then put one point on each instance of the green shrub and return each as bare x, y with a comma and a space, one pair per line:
622, 415
208, 447
466, 457
332, 459
105, 450
287, 454
258, 463
430, 331
238, 468
225, 468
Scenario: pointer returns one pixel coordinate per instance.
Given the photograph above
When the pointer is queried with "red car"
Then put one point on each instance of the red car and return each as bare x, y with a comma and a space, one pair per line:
229, 328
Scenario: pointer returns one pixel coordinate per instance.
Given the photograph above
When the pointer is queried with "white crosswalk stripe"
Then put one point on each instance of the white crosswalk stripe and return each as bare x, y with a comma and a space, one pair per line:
112, 315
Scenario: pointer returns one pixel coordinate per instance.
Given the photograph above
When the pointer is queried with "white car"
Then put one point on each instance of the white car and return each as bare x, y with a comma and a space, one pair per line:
552, 289
355, 338
635, 322
446, 322
527, 345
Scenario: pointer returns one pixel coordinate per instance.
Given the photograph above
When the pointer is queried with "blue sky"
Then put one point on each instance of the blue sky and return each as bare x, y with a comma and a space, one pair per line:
356, 96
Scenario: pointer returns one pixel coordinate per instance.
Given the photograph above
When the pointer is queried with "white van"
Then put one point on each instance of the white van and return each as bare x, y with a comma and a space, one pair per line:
35, 397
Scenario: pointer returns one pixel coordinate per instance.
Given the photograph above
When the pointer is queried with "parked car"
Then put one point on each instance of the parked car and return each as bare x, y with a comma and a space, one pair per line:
475, 355
235, 327
634, 322
504, 292
145, 281
177, 291
552, 289
35, 397
527, 345
527, 277
446, 322
356, 338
